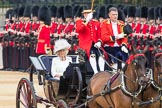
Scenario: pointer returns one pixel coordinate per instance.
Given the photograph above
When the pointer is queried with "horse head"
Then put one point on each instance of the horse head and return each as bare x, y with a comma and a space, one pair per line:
157, 65
136, 66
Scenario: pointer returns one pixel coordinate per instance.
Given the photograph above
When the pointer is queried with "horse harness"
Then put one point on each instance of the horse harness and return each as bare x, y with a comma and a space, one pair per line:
107, 89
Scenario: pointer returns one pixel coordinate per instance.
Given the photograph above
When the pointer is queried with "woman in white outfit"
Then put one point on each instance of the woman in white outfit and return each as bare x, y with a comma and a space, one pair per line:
62, 61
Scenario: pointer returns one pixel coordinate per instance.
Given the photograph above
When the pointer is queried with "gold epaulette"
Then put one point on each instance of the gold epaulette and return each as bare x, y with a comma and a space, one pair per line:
107, 21
120, 22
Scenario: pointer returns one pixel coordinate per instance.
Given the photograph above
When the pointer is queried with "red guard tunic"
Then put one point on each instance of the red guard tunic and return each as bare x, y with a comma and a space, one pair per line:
35, 26
69, 28
54, 27
107, 33
27, 27
43, 39
60, 28
87, 34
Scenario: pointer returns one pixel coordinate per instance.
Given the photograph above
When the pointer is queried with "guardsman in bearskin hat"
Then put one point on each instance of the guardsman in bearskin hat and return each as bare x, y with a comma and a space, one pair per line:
69, 20
20, 24
101, 14
53, 19
5, 35
114, 38
131, 10
151, 23
61, 24
69, 28
89, 39
34, 18
143, 20
43, 43
54, 25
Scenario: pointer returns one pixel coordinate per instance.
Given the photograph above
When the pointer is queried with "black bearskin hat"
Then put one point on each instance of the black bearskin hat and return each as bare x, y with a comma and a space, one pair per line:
121, 15
53, 11
131, 10
8, 14
44, 15
160, 13
75, 9
138, 12
79, 12
15, 12
34, 11
60, 12
68, 11
95, 13
125, 8
151, 13
101, 12
27, 12
21, 11
144, 12
156, 12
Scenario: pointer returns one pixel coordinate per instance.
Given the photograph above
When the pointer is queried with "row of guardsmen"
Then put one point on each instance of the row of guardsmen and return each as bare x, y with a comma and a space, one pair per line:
19, 38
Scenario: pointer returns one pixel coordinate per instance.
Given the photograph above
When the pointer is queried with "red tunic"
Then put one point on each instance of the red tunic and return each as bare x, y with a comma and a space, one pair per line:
69, 28
88, 34
54, 27
107, 33
43, 39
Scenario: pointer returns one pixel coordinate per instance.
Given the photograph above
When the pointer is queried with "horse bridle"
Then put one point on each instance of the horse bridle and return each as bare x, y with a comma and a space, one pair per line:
133, 58
159, 73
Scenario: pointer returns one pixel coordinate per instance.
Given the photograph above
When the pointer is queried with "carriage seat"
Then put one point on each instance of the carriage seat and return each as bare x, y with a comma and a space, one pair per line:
46, 62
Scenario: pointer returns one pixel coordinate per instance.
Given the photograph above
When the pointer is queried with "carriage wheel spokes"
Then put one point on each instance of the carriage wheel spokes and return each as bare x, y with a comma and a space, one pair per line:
25, 96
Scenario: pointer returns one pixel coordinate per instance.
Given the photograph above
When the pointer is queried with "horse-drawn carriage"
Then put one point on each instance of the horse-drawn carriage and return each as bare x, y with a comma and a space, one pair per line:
137, 86
71, 93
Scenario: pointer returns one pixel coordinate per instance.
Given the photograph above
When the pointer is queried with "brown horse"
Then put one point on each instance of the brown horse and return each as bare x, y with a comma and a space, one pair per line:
119, 90
152, 94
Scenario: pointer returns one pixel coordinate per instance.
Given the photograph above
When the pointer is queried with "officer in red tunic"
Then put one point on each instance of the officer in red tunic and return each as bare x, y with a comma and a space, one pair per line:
43, 44
113, 37
89, 36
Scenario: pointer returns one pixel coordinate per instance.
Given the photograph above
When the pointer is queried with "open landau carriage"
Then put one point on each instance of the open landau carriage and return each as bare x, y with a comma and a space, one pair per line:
71, 93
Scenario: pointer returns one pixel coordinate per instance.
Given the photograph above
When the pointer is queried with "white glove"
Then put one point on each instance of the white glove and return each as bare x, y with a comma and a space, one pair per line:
119, 36
97, 44
124, 49
89, 17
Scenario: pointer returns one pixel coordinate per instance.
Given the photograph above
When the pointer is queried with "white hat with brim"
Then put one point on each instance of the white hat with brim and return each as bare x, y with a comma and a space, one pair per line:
88, 11
60, 45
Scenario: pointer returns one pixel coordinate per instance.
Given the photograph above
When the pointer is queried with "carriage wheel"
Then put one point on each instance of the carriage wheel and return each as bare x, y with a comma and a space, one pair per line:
25, 96
61, 104
80, 85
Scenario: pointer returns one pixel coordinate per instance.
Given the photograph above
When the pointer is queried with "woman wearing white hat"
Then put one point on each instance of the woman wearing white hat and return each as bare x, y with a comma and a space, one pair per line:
62, 61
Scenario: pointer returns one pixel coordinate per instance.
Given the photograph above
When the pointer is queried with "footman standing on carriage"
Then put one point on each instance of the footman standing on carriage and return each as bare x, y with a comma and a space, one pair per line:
89, 38
114, 39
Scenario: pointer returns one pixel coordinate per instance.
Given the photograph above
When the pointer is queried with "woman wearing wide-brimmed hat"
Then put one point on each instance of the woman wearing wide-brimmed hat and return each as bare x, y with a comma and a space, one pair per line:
62, 61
